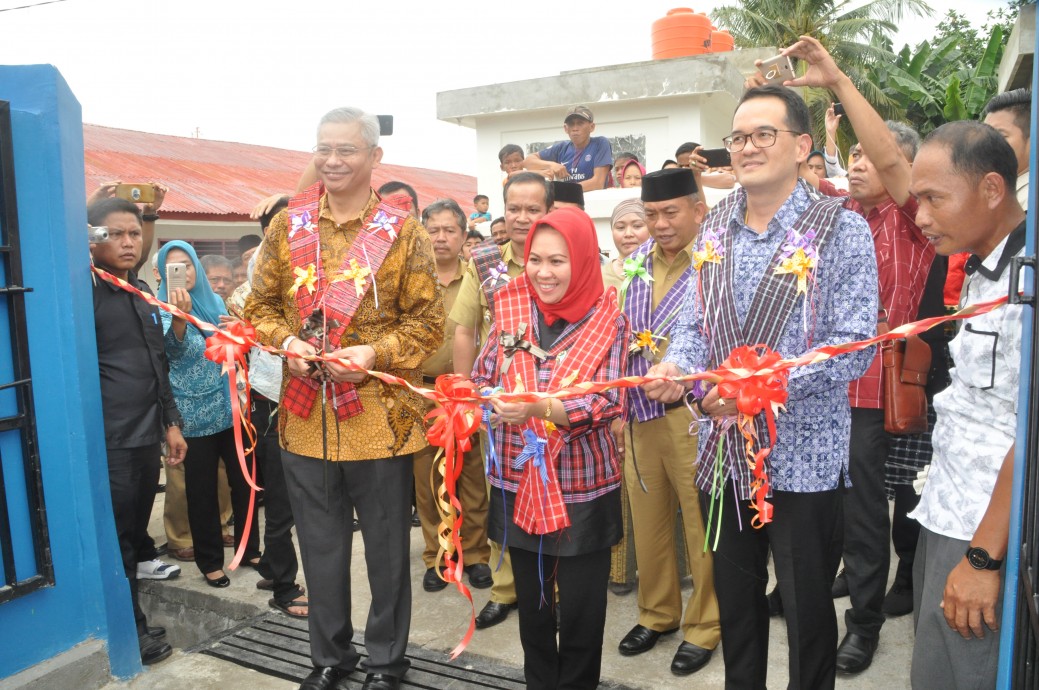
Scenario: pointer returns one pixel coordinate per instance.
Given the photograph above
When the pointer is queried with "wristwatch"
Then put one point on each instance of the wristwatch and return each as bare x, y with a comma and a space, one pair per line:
980, 560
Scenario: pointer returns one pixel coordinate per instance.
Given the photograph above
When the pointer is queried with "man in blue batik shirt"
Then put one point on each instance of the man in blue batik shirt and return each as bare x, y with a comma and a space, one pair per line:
584, 159
755, 295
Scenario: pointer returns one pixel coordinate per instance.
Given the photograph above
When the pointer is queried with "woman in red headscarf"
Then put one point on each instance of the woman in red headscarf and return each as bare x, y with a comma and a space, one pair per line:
555, 501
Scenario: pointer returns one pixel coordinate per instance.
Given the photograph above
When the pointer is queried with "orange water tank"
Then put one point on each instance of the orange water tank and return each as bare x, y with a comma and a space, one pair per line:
682, 32
721, 41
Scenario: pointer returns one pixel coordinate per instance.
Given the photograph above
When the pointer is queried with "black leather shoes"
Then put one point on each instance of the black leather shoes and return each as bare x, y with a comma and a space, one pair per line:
220, 582
431, 581
689, 659
855, 653
898, 601
640, 639
775, 603
840, 586
479, 575
153, 650
156, 632
324, 678
380, 681
492, 614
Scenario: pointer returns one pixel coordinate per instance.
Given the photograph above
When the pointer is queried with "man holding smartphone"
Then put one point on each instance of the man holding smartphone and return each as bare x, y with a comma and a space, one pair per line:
879, 172
136, 397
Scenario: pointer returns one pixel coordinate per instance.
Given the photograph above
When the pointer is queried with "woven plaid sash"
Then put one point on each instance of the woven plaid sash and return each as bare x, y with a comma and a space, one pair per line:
638, 305
772, 306
575, 356
337, 297
490, 270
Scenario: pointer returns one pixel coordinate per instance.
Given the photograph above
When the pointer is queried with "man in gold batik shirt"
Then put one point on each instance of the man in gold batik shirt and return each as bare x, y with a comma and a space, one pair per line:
342, 272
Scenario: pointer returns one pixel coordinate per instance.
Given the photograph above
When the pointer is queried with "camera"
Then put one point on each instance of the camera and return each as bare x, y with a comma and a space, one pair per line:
97, 234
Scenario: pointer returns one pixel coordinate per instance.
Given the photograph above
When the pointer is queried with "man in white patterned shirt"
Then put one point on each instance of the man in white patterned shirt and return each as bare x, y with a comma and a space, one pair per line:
964, 180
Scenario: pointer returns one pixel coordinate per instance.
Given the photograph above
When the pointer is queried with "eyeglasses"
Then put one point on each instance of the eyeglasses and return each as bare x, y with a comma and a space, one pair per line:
342, 152
762, 139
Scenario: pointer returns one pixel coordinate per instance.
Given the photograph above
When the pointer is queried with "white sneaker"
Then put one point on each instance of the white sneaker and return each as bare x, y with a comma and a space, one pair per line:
157, 570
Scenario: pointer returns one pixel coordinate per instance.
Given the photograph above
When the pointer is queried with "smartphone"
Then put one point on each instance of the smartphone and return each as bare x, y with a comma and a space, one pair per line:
777, 70
716, 158
137, 193
176, 277
385, 125
838, 109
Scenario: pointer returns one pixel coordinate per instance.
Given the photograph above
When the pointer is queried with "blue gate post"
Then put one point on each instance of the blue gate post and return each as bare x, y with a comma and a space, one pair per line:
90, 598
1011, 581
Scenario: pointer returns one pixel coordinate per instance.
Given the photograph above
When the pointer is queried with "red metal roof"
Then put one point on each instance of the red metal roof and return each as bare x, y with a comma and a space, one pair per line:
223, 180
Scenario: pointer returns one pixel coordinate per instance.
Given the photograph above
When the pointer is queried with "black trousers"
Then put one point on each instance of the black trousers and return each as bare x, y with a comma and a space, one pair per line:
278, 562
867, 555
200, 471
133, 476
905, 533
324, 496
804, 536
575, 662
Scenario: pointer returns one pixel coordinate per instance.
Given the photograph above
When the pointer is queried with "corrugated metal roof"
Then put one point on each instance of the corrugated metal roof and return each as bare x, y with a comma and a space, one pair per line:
222, 178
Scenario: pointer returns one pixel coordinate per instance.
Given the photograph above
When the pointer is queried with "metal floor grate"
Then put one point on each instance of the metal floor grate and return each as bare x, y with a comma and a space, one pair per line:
279, 646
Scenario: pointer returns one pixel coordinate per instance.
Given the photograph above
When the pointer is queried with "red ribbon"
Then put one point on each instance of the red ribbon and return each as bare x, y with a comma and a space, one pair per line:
754, 380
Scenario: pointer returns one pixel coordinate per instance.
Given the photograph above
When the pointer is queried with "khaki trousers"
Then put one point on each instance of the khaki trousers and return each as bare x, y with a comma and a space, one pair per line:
503, 591
175, 506
665, 454
471, 489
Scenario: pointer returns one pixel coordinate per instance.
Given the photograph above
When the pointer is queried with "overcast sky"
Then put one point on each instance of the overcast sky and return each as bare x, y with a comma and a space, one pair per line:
264, 72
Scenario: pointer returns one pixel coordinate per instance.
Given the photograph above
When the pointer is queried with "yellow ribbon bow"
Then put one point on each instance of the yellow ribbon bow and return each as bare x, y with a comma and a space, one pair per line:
645, 339
708, 255
800, 265
357, 273
305, 277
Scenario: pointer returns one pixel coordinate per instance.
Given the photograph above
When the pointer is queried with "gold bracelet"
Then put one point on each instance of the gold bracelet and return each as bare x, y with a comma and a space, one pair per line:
548, 410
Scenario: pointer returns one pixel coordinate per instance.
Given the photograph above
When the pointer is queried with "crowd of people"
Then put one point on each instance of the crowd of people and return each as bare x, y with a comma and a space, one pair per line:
566, 499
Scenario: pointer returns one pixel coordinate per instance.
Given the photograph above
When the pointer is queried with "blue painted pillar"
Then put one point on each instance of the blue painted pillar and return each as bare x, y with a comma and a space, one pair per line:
90, 597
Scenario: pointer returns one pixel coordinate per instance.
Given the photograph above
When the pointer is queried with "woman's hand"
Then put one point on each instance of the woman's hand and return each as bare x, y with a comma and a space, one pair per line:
512, 412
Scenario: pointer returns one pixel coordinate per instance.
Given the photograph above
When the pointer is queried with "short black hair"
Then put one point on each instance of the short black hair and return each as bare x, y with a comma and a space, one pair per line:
796, 110
976, 149
667, 163
476, 234
527, 177
394, 186
815, 152
625, 155
98, 211
247, 242
499, 219
266, 218
687, 147
1018, 102
476, 199
507, 151
441, 205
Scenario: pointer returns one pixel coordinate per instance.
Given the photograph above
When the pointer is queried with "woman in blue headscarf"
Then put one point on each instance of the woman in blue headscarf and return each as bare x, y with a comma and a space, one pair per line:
204, 400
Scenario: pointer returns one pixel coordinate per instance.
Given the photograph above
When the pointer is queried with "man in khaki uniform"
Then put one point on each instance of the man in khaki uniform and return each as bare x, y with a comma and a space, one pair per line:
528, 197
662, 452
445, 221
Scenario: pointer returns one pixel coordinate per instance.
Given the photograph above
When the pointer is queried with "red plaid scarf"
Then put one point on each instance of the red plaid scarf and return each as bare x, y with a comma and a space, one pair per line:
338, 301
540, 507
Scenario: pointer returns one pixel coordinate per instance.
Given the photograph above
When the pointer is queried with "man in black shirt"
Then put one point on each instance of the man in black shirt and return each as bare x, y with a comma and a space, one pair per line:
136, 397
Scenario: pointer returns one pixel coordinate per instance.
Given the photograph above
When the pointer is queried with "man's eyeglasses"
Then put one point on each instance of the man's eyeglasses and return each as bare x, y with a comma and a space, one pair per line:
762, 139
342, 152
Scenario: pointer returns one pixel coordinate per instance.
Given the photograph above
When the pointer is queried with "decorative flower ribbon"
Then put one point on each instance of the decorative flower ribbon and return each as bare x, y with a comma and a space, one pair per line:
454, 423
228, 348
300, 222
645, 339
357, 273
713, 252
799, 257
634, 268
757, 386
533, 451
497, 272
385, 222
305, 277
754, 372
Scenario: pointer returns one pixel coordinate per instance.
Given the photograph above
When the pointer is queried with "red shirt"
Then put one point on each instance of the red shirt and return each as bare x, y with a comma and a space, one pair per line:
904, 258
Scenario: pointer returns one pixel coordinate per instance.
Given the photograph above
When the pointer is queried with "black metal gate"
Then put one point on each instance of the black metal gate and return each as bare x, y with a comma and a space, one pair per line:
18, 419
